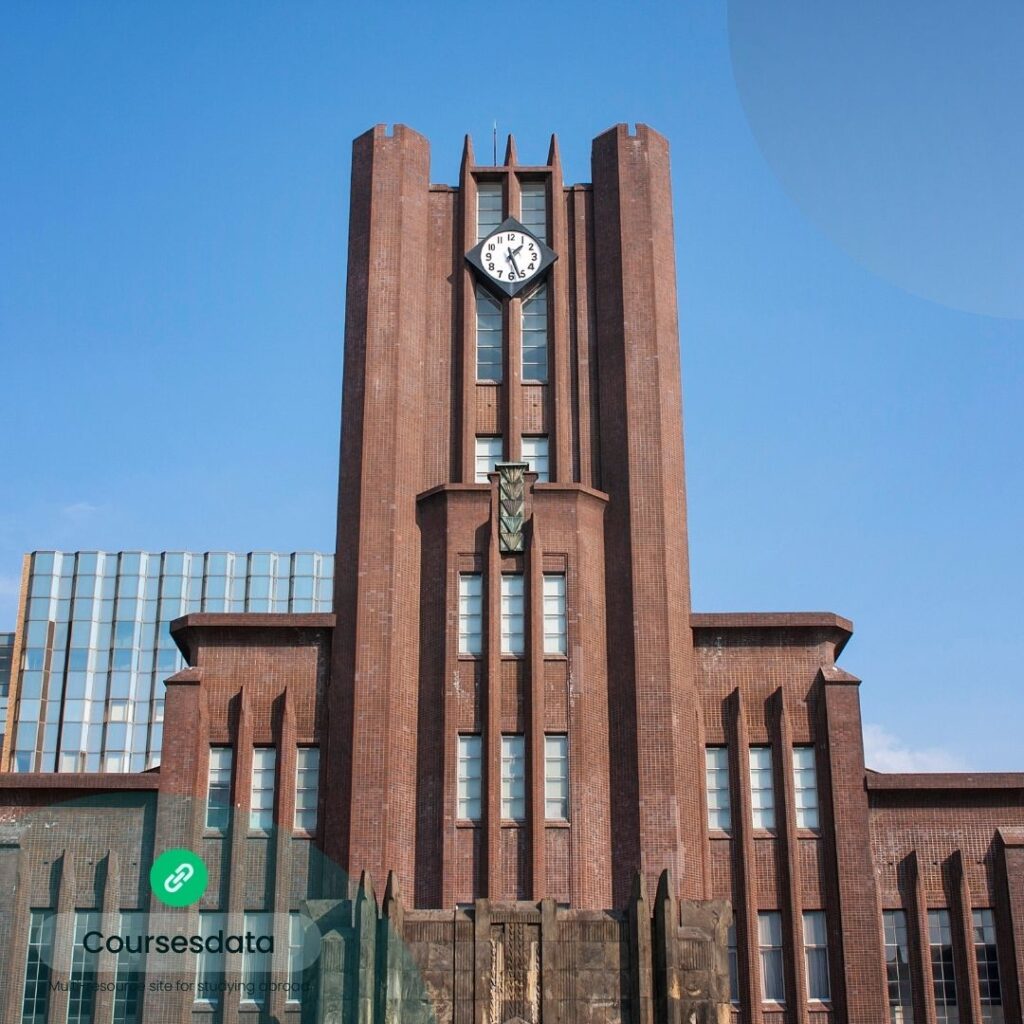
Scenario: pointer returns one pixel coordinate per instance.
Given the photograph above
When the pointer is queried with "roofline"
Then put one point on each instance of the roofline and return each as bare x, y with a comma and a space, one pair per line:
883, 782
186, 626
776, 621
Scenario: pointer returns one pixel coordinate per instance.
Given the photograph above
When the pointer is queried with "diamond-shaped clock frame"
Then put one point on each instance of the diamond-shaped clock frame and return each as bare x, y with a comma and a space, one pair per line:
510, 288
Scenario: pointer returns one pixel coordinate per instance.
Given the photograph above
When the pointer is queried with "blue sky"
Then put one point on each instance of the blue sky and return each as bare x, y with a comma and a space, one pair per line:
848, 217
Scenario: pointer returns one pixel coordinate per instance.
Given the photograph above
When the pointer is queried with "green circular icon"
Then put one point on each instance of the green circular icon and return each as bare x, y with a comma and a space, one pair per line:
178, 878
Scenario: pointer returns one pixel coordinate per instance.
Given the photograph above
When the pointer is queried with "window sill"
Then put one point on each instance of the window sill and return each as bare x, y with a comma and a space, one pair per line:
467, 823
490, 383
557, 823
204, 1006
215, 833
302, 833
808, 833
767, 833
513, 823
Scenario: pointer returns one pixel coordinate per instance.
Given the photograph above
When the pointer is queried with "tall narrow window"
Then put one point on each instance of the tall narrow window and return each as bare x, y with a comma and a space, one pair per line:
534, 202
513, 778
940, 938
535, 455
255, 960
469, 778
762, 787
816, 956
298, 958
556, 777
535, 336
734, 965
488, 207
210, 965
131, 972
513, 638
307, 787
489, 337
36, 1000
805, 787
261, 806
471, 613
987, 959
555, 640
716, 773
489, 451
218, 789
897, 967
769, 934
84, 964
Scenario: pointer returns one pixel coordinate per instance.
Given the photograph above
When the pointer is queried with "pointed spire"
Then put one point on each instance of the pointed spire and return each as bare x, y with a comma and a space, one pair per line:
639, 894
511, 156
554, 157
468, 159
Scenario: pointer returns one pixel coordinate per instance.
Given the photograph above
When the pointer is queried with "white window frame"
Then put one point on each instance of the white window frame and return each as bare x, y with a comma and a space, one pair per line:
485, 213
513, 614
942, 966
490, 449
469, 777
537, 226
556, 777
513, 777
716, 781
263, 782
762, 788
805, 788
556, 638
487, 339
899, 982
770, 948
219, 781
471, 614
535, 454
535, 334
815, 928
257, 966
307, 788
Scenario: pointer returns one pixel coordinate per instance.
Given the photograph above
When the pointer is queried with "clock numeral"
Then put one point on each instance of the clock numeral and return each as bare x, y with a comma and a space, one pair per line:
532, 266
490, 248
490, 266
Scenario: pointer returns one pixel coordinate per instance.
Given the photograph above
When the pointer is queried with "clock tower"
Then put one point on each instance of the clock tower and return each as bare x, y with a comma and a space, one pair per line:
512, 709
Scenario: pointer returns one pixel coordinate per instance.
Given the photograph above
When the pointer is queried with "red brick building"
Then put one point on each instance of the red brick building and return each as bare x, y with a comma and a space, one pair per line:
565, 774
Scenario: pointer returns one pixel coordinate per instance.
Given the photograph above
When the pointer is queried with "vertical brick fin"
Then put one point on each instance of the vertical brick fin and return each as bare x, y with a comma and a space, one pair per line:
372, 824
464, 469
110, 904
920, 953
1009, 912
560, 391
63, 938
657, 765
792, 888
961, 918
862, 988
744, 869
535, 712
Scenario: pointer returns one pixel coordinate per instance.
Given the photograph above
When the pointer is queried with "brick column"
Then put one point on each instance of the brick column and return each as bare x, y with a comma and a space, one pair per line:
373, 692
861, 994
657, 764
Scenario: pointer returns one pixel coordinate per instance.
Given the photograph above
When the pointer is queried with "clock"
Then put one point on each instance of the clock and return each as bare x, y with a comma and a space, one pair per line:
510, 258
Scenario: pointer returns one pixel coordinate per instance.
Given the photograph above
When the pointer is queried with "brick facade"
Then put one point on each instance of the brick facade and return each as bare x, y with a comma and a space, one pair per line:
532, 919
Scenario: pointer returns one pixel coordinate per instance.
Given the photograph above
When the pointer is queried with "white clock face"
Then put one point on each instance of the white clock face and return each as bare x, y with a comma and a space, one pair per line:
510, 256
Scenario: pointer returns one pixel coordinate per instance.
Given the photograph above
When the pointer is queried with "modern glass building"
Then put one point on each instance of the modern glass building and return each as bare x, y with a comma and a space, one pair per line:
96, 648
6, 657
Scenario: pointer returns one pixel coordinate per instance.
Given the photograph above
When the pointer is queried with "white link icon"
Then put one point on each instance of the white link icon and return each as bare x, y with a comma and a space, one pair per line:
181, 875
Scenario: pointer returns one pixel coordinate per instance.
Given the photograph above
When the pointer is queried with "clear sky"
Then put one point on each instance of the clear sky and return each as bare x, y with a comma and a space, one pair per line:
174, 181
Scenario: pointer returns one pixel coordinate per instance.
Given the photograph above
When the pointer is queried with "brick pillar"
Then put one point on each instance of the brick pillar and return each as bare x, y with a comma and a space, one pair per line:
374, 686
1009, 911
861, 985
657, 769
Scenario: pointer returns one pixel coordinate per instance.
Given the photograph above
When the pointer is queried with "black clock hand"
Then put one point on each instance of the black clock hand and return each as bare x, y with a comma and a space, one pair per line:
510, 256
